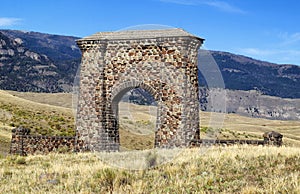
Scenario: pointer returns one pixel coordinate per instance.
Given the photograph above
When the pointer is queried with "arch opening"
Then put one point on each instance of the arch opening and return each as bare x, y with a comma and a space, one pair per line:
135, 110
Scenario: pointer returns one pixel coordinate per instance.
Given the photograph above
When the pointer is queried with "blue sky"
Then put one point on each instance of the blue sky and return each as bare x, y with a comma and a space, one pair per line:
263, 29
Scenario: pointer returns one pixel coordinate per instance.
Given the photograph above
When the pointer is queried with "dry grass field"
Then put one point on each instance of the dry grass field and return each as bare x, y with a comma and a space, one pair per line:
55, 99
232, 169
236, 126
41, 118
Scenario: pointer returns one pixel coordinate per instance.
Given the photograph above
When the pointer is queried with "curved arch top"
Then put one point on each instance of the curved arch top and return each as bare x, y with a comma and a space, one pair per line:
163, 62
120, 90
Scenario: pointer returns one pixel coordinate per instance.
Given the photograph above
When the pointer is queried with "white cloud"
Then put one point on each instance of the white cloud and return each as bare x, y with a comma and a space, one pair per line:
281, 56
221, 5
283, 49
289, 39
224, 6
9, 21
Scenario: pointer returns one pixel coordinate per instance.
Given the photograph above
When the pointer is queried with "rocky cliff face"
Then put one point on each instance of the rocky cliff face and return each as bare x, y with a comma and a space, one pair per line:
249, 103
23, 69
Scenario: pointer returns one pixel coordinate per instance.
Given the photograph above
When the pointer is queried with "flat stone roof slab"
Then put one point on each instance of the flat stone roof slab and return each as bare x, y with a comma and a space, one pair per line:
140, 34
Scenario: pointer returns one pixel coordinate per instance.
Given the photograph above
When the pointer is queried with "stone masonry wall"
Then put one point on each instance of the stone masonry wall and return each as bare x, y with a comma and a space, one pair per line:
23, 143
164, 66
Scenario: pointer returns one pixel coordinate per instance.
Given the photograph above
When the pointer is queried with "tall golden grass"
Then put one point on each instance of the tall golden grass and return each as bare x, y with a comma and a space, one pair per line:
234, 169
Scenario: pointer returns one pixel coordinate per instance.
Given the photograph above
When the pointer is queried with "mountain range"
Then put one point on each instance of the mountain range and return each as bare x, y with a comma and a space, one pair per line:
244, 73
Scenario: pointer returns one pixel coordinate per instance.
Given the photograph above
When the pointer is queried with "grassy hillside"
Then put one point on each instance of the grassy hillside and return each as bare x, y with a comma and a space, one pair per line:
52, 114
41, 118
241, 127
55, 99
234, 169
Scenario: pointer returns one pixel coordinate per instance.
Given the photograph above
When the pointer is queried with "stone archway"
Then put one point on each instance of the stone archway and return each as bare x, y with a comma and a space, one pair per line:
163, 62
